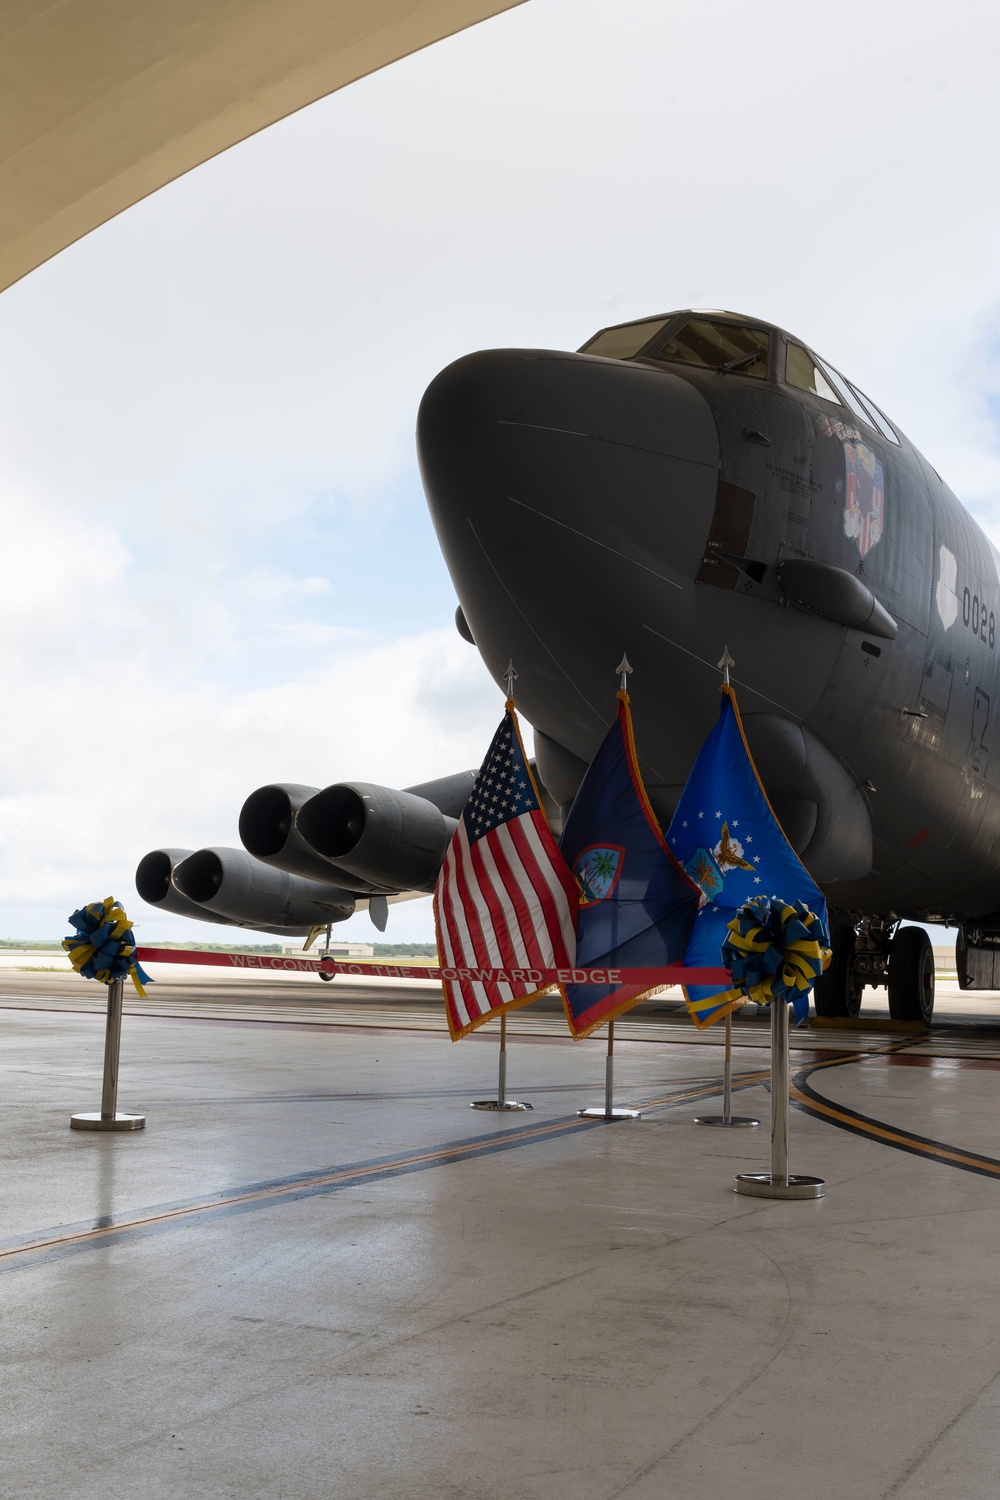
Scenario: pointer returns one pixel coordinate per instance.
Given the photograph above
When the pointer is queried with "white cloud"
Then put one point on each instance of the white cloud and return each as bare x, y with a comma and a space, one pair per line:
113, 746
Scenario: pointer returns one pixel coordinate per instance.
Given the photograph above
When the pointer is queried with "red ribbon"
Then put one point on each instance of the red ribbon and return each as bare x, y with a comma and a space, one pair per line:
287, 963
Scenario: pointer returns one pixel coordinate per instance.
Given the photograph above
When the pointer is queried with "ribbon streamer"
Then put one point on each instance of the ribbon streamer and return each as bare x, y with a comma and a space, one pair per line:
775, 951
104, 945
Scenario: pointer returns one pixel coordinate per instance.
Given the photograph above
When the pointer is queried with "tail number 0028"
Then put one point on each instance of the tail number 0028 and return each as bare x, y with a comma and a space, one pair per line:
980, 620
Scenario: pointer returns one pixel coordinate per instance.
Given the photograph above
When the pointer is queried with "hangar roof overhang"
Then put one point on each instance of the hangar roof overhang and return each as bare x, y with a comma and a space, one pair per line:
104, 101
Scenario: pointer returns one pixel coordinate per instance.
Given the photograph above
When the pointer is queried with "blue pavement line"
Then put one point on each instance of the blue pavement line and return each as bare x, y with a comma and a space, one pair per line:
117, 1229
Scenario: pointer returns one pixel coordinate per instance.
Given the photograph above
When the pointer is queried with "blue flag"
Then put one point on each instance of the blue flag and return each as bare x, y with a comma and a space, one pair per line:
731, 844
637, 905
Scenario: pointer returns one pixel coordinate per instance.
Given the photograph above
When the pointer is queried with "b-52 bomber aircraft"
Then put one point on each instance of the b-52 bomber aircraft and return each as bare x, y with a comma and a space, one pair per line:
681, 484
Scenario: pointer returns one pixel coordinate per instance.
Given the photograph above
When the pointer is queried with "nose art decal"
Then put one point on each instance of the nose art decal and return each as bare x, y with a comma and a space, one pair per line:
864, 512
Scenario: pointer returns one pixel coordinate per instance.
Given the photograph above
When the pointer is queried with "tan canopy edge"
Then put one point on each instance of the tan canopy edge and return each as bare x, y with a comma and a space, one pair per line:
104, 101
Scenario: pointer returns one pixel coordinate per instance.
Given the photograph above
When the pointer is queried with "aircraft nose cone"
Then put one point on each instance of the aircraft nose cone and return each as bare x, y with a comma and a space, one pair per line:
579, 437
564, 483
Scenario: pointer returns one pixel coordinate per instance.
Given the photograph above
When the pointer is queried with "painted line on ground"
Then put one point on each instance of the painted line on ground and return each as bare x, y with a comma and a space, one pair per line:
115, 1229
72, 1239
806, 1098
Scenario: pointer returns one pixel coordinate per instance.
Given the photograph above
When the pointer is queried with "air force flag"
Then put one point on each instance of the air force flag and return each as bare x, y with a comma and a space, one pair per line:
730, 843
636, 904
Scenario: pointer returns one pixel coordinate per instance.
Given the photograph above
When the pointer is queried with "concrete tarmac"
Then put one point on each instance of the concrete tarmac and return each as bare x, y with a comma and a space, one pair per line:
318, 1273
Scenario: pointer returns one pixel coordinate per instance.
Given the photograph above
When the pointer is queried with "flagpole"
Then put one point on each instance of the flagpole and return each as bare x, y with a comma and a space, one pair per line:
609, 1112
501, 1101
779, 1182
727, 1117
624, 668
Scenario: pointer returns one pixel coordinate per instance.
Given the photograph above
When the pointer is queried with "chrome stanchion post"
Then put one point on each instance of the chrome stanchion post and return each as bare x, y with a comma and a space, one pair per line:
609, 1074
501, 1101
727, 1073
109, 1117
779, 1096
727, 1117
112, 1049
609, 1112
779, 1182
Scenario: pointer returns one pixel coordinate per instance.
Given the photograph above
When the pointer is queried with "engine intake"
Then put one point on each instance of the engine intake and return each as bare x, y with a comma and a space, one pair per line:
154, 884
268, 832
394, 839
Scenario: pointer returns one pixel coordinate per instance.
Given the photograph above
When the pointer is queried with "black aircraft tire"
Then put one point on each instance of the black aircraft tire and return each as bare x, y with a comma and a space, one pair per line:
911, 976
838, 991
327, 978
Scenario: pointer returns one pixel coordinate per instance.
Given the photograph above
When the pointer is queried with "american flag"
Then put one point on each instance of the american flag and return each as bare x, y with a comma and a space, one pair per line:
505, 898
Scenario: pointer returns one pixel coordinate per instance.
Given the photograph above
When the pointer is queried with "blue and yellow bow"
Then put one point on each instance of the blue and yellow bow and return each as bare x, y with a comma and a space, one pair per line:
104, 945
775, 951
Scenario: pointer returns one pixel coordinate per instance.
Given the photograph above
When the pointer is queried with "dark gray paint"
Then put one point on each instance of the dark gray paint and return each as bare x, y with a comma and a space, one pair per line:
574, 498
248, 892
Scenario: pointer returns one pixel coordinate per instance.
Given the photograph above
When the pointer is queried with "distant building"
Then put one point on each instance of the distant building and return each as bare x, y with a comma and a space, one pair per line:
337, 950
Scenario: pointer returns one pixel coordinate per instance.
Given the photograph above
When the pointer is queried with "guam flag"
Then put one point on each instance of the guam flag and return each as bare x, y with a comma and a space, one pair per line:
637, 905
731, 844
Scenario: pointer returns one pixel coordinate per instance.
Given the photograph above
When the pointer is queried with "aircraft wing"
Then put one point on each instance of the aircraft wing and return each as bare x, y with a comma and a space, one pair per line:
102, 103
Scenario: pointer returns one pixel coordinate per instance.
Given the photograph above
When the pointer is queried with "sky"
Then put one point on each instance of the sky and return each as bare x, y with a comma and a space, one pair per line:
219, 568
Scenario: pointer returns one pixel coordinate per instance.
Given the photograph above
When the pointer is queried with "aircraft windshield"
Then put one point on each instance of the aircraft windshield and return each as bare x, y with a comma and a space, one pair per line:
802, 372
875, 416
806, 374
729, 347
625, 340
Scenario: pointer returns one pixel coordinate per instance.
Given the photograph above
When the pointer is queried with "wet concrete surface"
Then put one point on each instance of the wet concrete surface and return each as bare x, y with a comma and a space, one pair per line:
318, 1273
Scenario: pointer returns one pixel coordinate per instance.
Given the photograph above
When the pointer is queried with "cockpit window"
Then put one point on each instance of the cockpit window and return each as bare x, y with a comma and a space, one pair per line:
807, 374
624, 341
729, 347
847, 395
882, 423
802, 371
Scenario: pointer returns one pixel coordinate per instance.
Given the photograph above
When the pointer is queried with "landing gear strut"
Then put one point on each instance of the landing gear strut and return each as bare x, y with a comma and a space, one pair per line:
327, 978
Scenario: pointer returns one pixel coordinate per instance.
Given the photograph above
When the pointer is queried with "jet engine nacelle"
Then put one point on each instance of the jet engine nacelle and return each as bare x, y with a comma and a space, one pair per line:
396, 839
155, 885
818, 804
268, 832
270, 829
249, 893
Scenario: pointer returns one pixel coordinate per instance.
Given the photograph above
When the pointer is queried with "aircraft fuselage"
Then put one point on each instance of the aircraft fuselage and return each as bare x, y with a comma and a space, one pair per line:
671, 503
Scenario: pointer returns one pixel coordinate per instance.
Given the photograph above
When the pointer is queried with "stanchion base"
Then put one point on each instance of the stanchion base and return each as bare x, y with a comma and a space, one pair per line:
496, 1105
734, 1122
602, 1114
760, 1185
96, 1121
